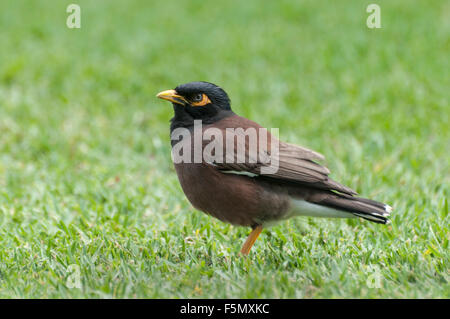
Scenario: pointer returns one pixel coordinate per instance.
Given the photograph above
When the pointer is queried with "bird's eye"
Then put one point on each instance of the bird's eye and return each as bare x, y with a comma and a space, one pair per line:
197, 97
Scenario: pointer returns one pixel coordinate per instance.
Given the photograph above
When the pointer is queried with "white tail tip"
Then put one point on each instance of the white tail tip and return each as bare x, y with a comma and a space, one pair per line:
388, 208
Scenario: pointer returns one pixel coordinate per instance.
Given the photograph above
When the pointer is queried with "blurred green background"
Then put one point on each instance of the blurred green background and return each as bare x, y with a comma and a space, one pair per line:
85, 172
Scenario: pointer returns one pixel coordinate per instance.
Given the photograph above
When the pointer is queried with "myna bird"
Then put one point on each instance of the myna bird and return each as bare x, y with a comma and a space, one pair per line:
238, 192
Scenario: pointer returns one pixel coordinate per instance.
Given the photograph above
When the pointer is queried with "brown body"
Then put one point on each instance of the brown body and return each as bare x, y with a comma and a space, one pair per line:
235, 199
244, 193
248, 201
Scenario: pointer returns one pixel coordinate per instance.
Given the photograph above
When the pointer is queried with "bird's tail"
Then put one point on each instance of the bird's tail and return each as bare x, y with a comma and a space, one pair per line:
362, 207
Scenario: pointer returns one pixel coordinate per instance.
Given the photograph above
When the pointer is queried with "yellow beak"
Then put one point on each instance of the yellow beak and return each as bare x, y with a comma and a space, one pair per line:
172, 96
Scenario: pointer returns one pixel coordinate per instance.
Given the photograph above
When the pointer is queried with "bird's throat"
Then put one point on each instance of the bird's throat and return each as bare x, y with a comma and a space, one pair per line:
184, 117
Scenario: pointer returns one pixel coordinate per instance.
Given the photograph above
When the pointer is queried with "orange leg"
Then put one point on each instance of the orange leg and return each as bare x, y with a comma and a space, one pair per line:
251, 240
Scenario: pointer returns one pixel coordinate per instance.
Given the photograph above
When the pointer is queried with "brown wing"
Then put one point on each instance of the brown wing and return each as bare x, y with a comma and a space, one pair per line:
295, 164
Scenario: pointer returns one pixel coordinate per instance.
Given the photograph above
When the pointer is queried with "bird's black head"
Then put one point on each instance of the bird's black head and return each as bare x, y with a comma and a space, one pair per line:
197, 101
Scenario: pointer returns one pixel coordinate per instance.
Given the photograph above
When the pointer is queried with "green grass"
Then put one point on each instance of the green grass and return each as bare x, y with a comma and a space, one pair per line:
85, 172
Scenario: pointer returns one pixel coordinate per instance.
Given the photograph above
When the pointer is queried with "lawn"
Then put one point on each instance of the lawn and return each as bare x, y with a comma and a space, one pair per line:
90, 205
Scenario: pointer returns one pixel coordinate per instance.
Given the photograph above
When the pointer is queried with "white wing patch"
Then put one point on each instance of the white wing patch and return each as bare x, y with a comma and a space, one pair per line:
240, 173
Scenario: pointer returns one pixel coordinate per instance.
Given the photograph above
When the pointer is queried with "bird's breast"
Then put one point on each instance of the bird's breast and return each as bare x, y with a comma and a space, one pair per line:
236, 199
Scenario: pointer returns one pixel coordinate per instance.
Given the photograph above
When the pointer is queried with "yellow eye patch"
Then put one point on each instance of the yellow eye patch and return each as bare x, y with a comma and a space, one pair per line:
205, 100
